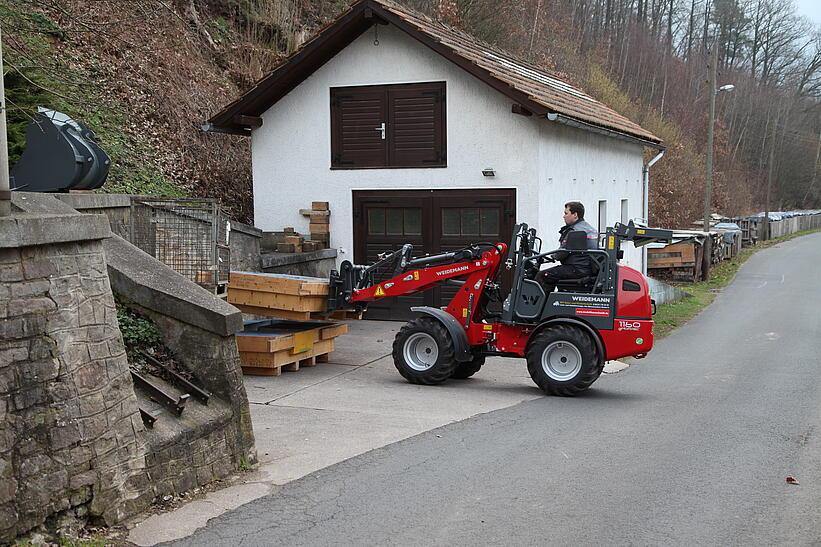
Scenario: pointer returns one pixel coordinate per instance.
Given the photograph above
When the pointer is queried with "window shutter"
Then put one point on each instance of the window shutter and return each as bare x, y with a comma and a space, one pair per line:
416, 125
357, 115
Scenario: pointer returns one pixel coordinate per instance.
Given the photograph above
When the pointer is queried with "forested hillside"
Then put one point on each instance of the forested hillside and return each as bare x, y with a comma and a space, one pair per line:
145, 75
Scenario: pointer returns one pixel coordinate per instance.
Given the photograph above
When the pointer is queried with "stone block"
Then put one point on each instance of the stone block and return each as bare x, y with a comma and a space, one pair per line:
42, 348
63, 319
39, 268
8, 490
34, 325
12, 329
91, 265
39, 287
92, 428
90, 377
64, 436
204, 474
64, 285
98, 351
187, 480
81, 455
30, 397
8, 522
38, 465
7, 439
36, 372
94, 286
64, 300
13, 354
83, 479
81, 496
93, 404
9, 256
105, 443
9, 273
25, 306
86, 313
66, 265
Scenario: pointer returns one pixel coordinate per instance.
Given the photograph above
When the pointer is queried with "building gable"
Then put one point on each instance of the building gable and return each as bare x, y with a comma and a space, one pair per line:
535, 91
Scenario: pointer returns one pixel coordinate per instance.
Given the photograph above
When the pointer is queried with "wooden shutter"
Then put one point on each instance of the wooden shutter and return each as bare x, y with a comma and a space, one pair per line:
414, 118
356, 113
416, 128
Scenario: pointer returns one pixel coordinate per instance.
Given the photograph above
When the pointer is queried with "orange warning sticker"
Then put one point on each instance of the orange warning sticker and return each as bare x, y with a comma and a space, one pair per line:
379, 291
464, 312
416, 275
487, 327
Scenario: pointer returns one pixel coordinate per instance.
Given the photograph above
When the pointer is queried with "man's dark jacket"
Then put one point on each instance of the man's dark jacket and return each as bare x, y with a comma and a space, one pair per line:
581, 262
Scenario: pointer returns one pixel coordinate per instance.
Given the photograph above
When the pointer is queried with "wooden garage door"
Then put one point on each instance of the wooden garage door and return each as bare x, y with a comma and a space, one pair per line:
433, 221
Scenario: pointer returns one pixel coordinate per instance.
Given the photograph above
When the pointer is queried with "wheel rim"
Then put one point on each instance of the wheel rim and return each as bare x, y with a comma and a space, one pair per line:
421, 351
561, 361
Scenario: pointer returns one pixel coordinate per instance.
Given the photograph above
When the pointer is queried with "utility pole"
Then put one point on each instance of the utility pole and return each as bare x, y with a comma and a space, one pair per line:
770, 178
711, 88
5, 192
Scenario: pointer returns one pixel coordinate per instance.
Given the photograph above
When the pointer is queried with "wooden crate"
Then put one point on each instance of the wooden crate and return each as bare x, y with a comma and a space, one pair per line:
679, 261
268, 347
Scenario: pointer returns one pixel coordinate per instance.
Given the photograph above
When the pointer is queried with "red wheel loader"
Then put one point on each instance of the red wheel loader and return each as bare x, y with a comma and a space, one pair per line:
566, 336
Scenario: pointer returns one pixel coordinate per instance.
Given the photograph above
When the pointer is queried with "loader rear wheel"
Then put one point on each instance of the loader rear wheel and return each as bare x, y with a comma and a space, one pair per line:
468, 368
562, 360
423, 352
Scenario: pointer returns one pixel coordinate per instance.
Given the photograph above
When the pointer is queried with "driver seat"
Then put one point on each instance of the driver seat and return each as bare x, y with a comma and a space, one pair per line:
577, 241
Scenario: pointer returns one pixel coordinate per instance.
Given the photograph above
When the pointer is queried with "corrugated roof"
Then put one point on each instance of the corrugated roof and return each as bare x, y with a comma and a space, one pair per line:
537, 90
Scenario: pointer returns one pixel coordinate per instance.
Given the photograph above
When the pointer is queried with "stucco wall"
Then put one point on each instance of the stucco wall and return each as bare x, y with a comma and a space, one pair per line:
583, 166
291, 152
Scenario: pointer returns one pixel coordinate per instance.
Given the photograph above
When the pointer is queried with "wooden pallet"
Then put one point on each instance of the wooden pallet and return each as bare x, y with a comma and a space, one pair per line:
268, 347
262, 369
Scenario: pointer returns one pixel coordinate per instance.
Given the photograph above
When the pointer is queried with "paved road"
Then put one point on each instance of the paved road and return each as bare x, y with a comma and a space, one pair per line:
689, 446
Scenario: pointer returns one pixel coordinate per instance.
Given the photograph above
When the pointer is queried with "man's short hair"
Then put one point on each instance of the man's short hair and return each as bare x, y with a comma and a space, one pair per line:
575, 207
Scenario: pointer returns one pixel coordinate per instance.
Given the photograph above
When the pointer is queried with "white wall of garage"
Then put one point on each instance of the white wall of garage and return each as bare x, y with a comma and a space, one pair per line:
548, 164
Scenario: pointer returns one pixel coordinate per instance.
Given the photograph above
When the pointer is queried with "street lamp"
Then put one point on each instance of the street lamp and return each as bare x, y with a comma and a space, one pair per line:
708, 190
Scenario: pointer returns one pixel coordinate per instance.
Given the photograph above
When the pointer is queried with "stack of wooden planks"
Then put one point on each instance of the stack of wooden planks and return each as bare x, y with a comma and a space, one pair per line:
296, 332
278, 295
269, 346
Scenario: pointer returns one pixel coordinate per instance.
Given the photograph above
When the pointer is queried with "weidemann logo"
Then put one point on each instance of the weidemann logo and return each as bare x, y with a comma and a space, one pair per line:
602, 299
453, 270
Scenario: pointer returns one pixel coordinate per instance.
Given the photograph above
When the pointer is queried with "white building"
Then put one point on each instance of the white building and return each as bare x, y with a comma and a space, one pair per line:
417, 133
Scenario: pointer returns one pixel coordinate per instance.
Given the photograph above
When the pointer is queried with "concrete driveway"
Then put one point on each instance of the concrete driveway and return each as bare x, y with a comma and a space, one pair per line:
307, 420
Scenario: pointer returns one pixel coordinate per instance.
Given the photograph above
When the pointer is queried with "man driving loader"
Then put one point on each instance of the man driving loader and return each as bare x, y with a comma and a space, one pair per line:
574, 265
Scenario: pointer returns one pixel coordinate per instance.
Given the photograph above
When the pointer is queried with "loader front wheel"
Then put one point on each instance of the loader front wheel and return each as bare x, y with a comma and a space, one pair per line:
423, 352
563, 360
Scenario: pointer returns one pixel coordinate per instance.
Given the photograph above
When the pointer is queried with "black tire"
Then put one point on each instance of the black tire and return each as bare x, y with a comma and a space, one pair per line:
418, 338
570, 367
468, 368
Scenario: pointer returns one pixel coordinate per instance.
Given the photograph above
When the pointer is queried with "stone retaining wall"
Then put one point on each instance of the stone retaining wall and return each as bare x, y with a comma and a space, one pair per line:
72, 441
70, 431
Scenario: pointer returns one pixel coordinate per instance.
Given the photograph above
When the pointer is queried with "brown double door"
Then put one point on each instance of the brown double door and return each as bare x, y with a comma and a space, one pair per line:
433, 221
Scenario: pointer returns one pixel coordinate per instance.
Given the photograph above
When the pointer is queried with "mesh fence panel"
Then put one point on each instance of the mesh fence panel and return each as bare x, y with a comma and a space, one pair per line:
188, 235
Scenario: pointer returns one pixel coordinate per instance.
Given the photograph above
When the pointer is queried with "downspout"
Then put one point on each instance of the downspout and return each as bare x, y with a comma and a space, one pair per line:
645, 201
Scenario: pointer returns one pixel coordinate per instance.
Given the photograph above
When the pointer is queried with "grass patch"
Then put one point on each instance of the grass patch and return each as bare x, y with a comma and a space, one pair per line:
671, 316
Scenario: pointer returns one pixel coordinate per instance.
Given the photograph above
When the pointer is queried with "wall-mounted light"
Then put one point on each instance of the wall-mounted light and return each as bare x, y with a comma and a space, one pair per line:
488, 172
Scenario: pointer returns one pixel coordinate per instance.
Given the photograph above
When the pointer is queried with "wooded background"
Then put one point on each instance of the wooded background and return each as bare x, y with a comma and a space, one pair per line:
145, 75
